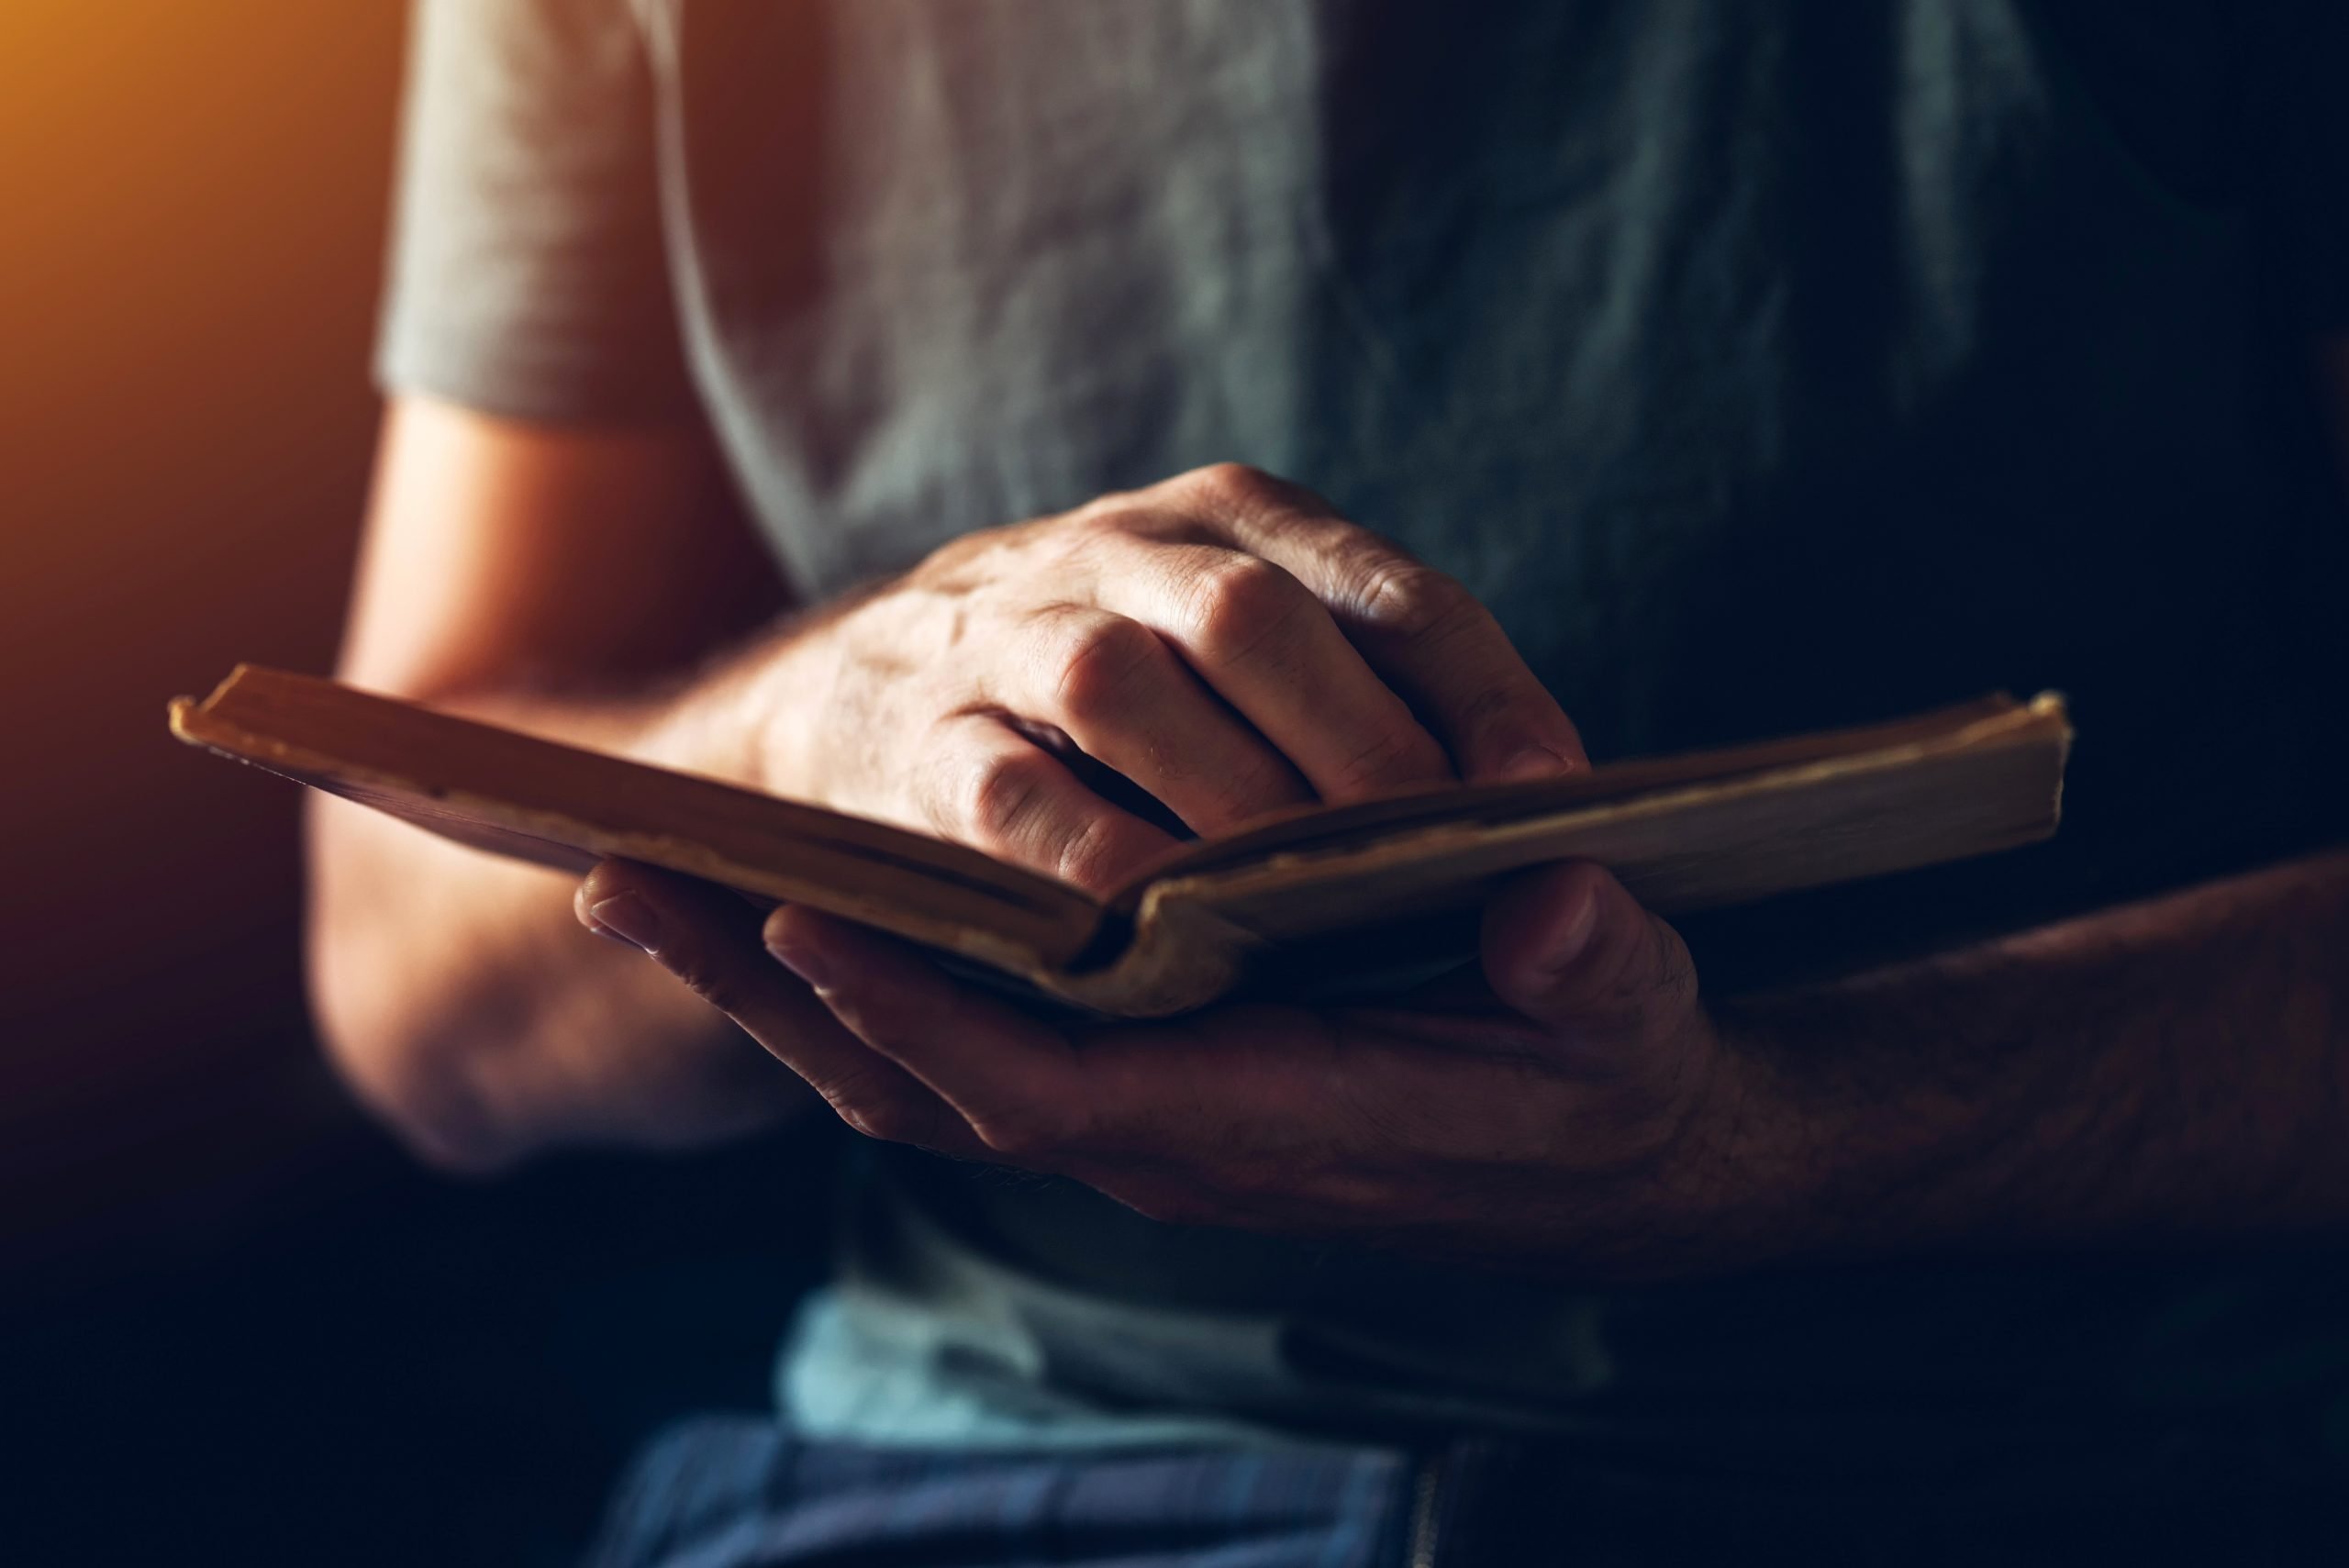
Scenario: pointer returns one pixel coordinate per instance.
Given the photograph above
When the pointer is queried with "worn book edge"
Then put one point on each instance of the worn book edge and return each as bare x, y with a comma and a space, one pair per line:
1990, 784
1195, 928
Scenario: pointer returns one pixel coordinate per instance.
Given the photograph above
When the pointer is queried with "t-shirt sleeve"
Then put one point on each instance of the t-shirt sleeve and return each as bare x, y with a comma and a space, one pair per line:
2304, 122
525, 276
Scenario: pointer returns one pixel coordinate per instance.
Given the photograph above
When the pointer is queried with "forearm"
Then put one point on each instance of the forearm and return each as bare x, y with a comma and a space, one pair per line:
2171, 1071
462, 997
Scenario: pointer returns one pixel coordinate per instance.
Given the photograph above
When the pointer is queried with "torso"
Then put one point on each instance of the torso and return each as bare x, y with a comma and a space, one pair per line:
1763, 366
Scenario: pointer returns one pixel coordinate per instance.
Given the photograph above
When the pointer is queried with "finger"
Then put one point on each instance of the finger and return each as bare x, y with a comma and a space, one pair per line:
1569, 947
987, 786
1118, 693
1013, 1080
1270, 649
1239, 1100
705, 937
1219, 1088
1421, 630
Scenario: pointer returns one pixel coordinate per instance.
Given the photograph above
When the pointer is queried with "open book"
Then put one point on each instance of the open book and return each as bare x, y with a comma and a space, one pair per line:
1320, 900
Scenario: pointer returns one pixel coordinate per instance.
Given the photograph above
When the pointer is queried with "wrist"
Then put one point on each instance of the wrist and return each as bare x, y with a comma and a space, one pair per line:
741, 721
1854, 1142
1733, 1180
1763, 1146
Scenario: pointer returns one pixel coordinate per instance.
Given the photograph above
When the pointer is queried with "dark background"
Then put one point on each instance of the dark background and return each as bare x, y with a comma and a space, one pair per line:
236, 1324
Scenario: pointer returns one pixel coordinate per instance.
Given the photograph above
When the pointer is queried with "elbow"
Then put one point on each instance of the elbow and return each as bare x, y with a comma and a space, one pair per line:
396, 1053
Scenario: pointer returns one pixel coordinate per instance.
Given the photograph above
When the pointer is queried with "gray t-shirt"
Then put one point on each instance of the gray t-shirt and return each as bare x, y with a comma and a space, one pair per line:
1763, 366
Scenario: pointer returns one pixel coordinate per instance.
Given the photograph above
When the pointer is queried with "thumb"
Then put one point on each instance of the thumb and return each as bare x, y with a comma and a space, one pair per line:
1571, 948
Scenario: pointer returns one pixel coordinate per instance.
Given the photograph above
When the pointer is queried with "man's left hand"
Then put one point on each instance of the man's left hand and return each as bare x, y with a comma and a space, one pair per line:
1580, 1111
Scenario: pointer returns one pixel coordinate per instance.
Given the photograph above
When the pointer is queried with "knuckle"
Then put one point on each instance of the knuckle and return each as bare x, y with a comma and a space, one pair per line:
879, 1103
1001, 804
1091, 857
1240, 603
891, 1118
1415, 602
1251, 491
714, 984
1002, 791
725, 995
1101, 665
1027, 1133
1239, 482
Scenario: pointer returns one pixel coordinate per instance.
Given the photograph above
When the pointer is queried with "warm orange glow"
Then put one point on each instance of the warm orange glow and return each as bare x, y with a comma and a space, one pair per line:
193, 199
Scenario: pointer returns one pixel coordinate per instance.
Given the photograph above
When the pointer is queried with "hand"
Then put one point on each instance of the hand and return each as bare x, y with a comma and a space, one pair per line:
1224, 641
1581, 1110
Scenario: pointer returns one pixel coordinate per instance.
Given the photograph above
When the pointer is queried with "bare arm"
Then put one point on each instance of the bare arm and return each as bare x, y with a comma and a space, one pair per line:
2161, 1072
1224, 640
2171, 1071
569, 583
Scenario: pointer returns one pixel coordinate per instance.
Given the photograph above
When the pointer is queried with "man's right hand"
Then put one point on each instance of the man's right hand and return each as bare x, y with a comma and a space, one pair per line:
1223, 641
1220, 640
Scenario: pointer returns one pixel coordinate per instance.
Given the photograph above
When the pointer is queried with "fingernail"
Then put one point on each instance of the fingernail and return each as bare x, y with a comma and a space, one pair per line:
806, 963
625, 917
1581, 925
1531, 760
